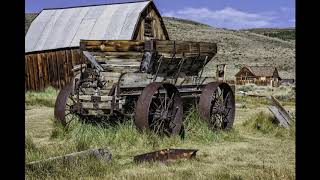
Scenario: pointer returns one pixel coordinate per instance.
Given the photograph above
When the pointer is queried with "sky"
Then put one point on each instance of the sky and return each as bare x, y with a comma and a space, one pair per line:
231, 14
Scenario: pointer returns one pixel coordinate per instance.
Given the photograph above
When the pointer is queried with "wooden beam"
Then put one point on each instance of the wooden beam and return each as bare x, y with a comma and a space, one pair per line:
102, 154
281, 109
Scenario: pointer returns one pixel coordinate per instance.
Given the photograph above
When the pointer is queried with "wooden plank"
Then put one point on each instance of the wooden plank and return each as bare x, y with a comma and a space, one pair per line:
49, 64
32, 76
26, 87
27, 71
59, 62
279, 116
277, 104
36, 72
59, 85
102, 154
185, 46
117, 60
48, 60
43, 65
43, 70
92, 60
64, 67
54, 70
88, 98
77, 56
101, 105
121, 55
30, 72
73, 57
38, 56
70, 67
112, 45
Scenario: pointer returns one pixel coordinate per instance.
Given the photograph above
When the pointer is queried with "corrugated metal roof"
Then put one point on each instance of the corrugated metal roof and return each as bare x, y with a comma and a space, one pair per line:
61, 28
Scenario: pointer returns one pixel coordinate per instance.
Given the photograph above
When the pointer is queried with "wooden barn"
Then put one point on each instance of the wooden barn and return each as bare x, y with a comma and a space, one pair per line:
53, 39
260, 75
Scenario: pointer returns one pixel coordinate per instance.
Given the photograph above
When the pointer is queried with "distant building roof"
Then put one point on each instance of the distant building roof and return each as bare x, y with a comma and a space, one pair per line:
261, 71
64, 27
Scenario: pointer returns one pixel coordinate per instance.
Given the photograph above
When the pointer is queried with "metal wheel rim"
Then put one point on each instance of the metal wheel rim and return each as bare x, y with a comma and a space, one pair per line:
217, 105
149, 114
64, 103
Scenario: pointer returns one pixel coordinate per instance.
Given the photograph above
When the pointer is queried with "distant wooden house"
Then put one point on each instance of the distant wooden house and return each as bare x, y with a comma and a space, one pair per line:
53, 39
260, 75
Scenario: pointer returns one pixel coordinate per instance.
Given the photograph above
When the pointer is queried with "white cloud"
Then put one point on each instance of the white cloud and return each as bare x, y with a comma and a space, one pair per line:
227, 17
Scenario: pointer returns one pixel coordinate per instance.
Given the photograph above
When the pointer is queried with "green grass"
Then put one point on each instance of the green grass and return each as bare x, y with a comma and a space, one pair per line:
46, 98
265, 124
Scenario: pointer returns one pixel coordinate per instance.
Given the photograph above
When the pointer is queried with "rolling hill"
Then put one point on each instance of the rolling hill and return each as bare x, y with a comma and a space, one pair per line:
236, 48
288, 34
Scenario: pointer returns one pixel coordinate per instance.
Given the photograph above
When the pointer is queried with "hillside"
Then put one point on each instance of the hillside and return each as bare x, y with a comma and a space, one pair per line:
235, 48
287, 34
28, 19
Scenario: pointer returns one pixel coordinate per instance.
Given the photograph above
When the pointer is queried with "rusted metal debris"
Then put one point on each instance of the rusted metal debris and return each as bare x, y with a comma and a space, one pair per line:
166, 154
284, 118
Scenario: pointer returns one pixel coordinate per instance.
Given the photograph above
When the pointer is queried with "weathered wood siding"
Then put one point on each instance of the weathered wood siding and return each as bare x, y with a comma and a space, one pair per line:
158, 29
50, 68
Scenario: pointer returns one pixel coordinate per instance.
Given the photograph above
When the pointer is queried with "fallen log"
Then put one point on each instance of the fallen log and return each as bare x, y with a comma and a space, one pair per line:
101, 154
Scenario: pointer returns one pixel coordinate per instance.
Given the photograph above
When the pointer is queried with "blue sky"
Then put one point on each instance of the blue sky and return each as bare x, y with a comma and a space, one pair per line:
232, 14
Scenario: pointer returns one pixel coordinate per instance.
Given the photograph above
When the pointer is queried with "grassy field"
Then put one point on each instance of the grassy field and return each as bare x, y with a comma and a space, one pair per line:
255, 148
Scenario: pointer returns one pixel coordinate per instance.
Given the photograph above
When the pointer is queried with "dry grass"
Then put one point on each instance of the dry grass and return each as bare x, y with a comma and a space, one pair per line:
242, 153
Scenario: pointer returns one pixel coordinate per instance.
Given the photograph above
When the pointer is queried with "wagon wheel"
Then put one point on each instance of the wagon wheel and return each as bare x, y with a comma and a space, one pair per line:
217, 105
159, 108
65, 105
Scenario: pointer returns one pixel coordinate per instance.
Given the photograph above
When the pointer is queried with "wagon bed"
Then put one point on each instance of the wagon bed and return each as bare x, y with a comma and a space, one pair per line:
123, 56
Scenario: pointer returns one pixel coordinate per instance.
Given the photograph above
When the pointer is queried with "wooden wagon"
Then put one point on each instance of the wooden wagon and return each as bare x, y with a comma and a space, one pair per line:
150, 81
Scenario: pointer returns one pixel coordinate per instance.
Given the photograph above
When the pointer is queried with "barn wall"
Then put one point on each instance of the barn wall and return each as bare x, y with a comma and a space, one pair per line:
157, 28
49, 68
